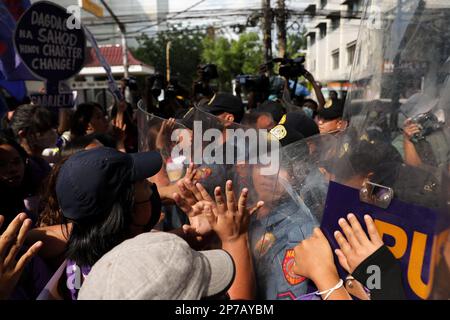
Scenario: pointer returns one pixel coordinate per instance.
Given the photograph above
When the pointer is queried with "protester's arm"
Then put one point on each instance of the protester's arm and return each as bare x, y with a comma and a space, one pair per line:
11, 241
163, 143
314, 260
411, 156
179, 190
119, 126
357, 252
230, 221
317, 89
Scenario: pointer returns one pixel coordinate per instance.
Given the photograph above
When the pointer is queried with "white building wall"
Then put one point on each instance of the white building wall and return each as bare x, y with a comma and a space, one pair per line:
319, 55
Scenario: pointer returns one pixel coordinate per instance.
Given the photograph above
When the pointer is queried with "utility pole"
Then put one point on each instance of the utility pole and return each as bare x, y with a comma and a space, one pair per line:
267, 30
123, 35
281, 24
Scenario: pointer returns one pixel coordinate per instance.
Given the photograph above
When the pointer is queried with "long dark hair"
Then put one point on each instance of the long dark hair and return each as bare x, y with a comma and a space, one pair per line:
93, 237
81, 118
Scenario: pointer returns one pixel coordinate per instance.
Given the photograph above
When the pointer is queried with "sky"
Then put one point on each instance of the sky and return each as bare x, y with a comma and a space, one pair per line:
179, 5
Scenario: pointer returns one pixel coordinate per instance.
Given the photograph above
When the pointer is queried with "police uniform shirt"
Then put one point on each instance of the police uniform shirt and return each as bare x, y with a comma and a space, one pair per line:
314, 192
287, 225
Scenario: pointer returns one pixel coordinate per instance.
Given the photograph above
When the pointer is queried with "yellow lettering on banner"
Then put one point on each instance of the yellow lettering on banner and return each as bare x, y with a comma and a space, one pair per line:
401, 239
416, 263
91, 7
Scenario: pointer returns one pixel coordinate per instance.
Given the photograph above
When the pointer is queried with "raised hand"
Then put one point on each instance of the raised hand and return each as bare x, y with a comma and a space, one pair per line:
188, 195
314, 257
356, 246
228, 218
11, 242
410, 129
163, 139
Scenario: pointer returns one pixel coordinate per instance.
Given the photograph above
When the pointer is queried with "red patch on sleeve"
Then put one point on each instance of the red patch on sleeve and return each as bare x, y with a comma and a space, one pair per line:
288, 265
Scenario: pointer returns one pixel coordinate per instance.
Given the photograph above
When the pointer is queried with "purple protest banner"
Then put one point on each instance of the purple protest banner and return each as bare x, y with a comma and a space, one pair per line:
412, 233
11, 67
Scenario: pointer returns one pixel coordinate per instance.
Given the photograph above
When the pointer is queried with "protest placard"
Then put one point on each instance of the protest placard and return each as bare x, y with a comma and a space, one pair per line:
50, 49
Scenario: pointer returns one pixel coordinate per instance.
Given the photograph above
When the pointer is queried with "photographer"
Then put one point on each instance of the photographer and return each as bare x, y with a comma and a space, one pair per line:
201, 88
256, 89
425, 141
318, 92
291, 70
411, 156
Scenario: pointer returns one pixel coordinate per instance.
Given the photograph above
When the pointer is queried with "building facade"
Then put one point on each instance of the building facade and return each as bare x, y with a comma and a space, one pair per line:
331, 40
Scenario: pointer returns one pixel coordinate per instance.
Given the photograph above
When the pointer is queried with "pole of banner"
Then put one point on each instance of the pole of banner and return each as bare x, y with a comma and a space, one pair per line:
169, 44
123, 35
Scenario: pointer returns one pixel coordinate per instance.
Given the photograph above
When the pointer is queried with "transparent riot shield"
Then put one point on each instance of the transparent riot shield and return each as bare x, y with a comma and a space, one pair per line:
295, 209
389, 161
158, 134
441, 272
228, 151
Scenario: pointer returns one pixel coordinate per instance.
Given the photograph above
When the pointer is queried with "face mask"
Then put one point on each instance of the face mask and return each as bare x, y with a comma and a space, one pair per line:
309, 112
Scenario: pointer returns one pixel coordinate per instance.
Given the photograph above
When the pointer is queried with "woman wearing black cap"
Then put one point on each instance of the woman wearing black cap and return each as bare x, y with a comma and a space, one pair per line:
107, 198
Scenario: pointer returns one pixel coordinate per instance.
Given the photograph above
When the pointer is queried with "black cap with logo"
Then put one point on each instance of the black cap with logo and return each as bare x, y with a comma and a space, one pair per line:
224, 102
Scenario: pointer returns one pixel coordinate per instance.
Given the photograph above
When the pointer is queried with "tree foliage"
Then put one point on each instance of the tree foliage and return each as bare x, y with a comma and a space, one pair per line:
233, 57
189, 48
185, 53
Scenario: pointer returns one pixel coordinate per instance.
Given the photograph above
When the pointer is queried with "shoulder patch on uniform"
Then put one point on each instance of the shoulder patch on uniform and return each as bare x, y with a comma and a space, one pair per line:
328, 104
279, 132
288, 265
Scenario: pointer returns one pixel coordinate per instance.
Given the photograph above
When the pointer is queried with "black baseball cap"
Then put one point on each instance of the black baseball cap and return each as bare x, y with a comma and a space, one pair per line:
224, 102
332, 110
286, 133
302, 123
90, 181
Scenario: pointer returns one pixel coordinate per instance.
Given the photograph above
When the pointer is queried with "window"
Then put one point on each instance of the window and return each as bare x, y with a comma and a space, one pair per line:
335, 23
354, 6
335, 59
312, 39
323, 30
351, 51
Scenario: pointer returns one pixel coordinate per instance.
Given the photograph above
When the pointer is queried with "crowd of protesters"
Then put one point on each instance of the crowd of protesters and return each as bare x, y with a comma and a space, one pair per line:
77, 198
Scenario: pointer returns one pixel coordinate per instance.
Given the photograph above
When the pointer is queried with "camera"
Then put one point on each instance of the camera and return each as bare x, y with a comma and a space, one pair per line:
156, 84
291, 68
207, 72
253, 83
428, 123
